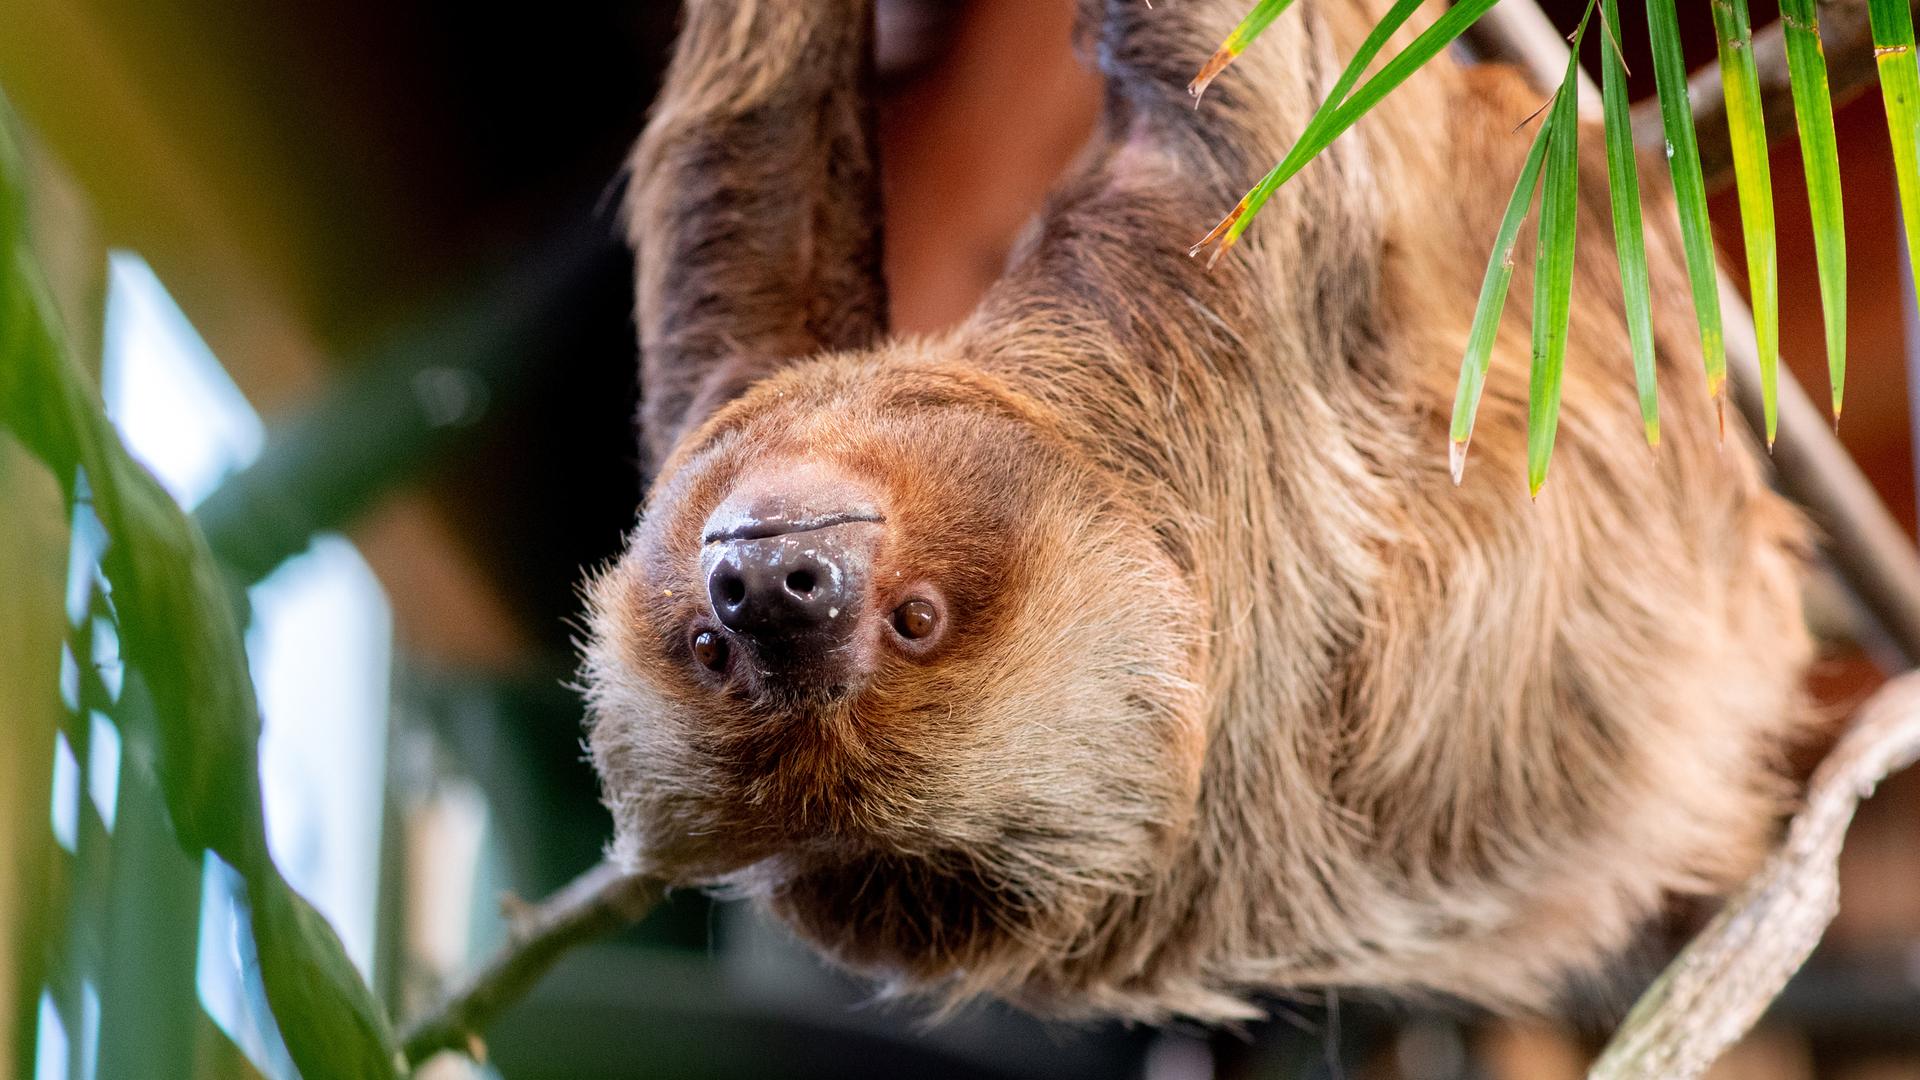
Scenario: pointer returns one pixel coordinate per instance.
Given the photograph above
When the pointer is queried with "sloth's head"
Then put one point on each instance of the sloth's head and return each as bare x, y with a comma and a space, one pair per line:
885, 652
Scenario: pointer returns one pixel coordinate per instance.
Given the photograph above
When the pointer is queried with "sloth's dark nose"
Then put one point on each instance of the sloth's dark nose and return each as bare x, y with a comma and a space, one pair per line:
799, 588
788, 560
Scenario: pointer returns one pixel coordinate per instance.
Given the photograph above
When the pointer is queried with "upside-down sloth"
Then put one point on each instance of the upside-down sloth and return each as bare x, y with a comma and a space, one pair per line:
1126, 650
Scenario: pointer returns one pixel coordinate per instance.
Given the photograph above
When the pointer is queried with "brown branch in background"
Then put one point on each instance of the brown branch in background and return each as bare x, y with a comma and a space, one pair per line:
597, 903
1727, 976
1847, 38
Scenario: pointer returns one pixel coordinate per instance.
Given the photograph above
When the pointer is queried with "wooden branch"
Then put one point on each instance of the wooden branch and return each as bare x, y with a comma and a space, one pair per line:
1868, 547
591, 906
1847, 39
1727, 976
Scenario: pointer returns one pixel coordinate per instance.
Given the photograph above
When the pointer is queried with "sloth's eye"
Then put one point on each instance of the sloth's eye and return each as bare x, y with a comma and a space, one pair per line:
710, 649
914, 619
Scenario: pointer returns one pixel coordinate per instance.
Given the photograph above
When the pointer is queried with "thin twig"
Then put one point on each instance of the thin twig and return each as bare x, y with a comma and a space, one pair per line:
1727, 976
591, 906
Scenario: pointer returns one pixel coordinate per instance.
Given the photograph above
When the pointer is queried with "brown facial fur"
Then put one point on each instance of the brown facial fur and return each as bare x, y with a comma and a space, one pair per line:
1237, 693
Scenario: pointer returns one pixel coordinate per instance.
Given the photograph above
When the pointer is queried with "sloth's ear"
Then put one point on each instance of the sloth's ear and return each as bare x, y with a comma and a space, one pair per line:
753, 204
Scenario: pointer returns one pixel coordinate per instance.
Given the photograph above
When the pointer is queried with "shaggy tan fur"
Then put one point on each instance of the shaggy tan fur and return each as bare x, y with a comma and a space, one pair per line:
1242, 694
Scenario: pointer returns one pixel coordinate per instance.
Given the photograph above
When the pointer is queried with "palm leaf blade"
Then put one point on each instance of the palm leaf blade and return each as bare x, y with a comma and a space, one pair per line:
1337, 115
1689, 190
1486, 314
1629, 237
1900, 88
1820, 153
1237, 40
1553, 273
1747, 130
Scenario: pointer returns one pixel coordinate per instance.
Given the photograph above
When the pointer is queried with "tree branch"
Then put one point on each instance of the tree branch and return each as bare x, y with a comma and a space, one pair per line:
591, 906
1727, 976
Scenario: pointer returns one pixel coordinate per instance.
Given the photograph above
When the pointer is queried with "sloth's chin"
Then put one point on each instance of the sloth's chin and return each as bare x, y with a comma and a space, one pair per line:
918, 915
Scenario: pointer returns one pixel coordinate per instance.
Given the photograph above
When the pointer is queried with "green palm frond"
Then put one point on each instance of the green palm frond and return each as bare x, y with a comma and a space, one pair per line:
1629, 235
1237, 41
1338, 114
1554, 156
1740, 82
1486, 316
1689, 194
1900, 88
1820, 155
1553, 267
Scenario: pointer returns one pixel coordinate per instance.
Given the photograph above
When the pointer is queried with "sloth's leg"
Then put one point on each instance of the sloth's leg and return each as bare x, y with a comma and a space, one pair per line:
753, 205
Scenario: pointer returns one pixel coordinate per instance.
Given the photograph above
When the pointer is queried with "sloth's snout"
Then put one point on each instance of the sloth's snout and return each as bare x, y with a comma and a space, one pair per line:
802, 588
788, 559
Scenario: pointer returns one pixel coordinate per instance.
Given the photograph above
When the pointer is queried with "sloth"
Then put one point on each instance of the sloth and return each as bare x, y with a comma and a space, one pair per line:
1126, 650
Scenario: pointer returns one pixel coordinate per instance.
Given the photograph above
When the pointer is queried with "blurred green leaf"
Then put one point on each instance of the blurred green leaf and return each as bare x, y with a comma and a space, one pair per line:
1553, 268
1486, 314
1747, 129
1819, 152
329, 1020
179, 632
1629, 236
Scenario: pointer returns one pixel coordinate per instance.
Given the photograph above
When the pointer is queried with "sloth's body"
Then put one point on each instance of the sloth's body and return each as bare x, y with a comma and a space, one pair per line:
1219, 686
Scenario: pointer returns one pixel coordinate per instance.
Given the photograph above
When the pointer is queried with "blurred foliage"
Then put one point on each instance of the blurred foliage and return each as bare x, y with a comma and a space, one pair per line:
181, 636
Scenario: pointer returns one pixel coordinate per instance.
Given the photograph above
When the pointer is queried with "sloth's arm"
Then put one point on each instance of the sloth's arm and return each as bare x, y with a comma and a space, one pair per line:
753, 204
1111, 250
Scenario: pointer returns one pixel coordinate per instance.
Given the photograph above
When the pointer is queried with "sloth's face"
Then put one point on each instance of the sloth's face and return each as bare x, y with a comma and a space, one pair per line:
882, 651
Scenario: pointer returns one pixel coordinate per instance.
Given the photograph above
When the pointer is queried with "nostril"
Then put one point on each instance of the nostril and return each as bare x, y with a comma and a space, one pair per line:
733, 590
801, 582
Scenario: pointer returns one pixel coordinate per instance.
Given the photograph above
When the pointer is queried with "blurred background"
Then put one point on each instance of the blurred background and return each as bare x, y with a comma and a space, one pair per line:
348, 275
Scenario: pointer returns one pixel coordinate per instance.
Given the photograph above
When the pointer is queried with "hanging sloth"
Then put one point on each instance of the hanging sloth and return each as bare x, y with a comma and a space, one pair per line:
1127, 650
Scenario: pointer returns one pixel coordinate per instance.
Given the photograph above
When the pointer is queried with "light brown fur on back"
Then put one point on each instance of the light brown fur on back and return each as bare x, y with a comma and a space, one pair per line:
1242, 694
